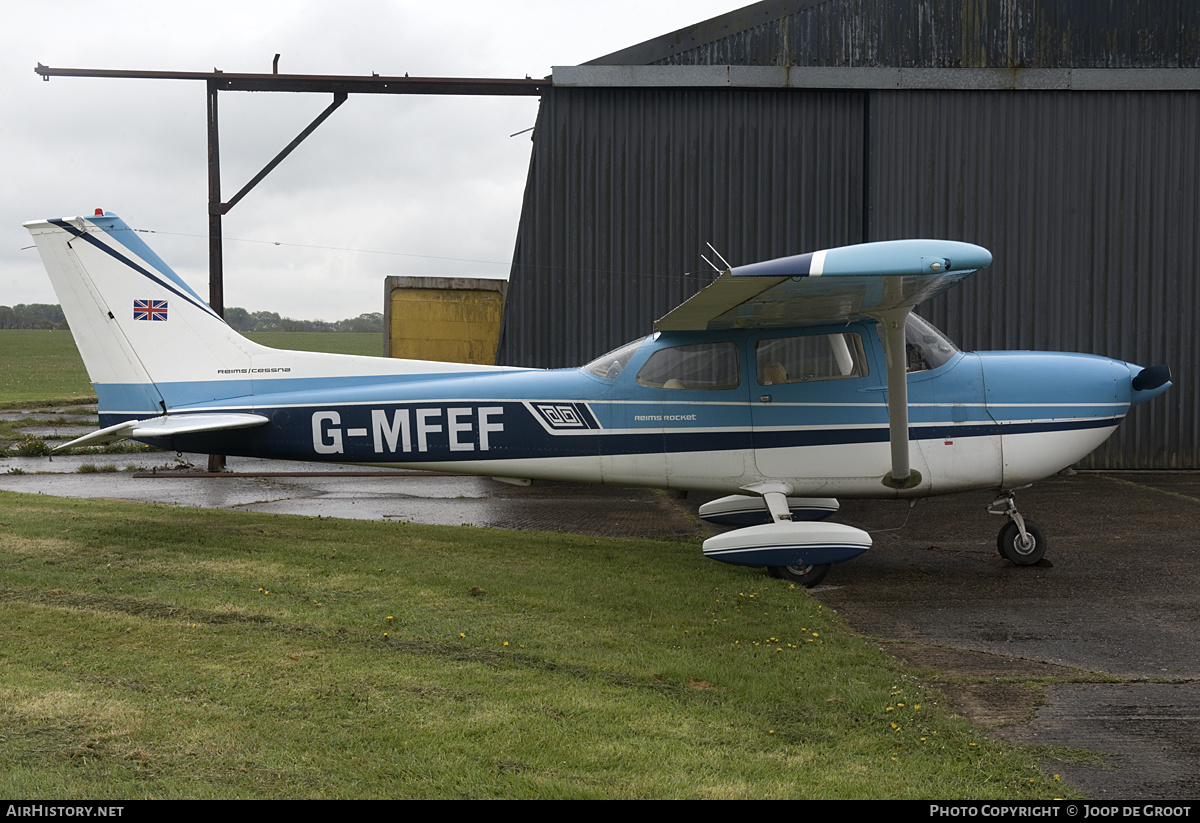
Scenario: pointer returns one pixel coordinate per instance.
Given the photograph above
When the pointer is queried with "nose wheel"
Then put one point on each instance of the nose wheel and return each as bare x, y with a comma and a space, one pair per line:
1021, 541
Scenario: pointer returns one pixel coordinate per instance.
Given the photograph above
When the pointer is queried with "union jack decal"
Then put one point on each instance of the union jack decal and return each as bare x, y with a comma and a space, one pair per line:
149, 309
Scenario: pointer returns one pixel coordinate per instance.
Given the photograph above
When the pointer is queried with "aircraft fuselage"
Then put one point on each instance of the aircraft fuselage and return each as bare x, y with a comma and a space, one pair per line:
978, 420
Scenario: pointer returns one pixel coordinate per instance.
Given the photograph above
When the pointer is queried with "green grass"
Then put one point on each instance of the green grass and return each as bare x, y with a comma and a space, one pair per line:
150, 651
335, 342
44, 367
41, 367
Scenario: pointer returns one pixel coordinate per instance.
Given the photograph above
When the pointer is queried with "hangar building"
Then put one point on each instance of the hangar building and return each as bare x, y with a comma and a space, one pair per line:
1064, 135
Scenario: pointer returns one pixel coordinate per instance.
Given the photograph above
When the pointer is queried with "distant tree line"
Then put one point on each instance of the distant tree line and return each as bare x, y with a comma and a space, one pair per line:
46, 316
32, 316
243, 320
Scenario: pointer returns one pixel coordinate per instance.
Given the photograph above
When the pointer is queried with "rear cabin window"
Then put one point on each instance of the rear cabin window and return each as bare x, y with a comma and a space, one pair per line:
702, 367
782, 360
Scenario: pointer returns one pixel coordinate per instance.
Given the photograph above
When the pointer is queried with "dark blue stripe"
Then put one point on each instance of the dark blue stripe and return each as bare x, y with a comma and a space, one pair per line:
788, 555
798, 265
290, 436
118, 256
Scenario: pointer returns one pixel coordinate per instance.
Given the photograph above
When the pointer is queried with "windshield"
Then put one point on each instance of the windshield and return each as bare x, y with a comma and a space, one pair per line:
927, 346
610, 365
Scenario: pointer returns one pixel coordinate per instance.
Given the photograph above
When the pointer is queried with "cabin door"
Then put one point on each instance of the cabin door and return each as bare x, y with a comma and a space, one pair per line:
818, 403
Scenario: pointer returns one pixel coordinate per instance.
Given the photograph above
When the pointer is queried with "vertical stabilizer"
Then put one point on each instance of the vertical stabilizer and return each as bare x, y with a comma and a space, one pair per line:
138, 326
151, 344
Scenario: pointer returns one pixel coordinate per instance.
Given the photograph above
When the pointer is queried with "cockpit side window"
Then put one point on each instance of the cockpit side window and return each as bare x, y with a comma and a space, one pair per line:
702, 367
611, 364
926, 346
809, 357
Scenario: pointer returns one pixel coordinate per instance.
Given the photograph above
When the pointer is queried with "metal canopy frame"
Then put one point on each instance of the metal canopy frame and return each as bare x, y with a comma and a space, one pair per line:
340, 86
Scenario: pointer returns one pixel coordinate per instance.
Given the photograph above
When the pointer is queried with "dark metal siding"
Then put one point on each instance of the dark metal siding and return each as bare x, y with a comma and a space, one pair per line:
626, 187
1089, 200
1090, 204
936, 34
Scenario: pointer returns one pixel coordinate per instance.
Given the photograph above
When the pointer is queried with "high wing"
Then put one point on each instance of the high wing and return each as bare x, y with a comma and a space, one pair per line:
829, 286
883, 280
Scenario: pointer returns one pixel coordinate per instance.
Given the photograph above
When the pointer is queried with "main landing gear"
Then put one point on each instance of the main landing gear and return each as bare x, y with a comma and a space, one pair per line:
807, 576
1021, 541
785, 534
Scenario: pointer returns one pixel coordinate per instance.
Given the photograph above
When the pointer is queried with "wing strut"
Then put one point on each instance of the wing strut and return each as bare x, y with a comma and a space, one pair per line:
893, 321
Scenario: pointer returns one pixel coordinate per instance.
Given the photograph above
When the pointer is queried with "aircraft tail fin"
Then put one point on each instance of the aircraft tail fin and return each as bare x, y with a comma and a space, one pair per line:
138, 326
151, 344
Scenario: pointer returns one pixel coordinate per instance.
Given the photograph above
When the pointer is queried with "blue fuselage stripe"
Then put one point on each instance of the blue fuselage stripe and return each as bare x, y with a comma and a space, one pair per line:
455, 431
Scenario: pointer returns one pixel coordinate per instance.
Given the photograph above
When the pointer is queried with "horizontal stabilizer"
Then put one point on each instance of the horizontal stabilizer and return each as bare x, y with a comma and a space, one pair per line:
167, 426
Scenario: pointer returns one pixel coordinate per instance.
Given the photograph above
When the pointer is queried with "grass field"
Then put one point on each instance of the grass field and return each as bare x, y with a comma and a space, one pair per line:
335, 342
151, 651
40, 367
44, 367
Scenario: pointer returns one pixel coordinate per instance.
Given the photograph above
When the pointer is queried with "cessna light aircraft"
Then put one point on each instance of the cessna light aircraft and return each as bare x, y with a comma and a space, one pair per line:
783, 384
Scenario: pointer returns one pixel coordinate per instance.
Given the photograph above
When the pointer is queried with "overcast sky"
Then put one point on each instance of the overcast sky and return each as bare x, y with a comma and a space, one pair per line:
410, 185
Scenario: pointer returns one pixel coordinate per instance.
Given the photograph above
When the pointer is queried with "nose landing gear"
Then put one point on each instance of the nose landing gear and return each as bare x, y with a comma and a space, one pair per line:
1021, 541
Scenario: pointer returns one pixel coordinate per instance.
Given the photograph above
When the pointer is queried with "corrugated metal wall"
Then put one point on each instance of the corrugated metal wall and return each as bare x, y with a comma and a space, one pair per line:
626, 187
1090, 201
935, 34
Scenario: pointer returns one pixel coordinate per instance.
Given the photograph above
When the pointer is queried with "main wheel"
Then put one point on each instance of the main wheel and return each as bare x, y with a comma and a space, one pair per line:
806, 576
1022, 553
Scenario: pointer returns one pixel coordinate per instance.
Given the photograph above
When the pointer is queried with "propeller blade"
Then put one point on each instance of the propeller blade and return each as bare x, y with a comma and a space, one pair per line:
1151, 378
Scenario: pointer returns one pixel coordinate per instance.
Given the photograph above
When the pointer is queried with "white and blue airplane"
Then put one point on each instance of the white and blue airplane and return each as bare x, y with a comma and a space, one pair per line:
783, 385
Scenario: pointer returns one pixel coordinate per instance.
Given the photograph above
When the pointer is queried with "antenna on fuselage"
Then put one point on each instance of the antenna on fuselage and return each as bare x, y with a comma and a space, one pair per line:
719, 257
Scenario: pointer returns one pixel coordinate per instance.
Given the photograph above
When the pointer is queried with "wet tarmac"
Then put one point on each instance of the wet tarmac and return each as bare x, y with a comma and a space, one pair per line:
1101, 637
321, 489
1096, 647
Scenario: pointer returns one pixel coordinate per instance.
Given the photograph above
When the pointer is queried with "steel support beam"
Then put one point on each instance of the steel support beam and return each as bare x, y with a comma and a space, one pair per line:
216, 263
329, 83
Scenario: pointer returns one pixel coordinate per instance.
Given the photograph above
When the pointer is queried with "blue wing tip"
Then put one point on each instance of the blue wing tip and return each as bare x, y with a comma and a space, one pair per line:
906, 257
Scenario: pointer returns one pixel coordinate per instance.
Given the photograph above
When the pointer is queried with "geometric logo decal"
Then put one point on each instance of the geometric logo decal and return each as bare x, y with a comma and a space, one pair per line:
560, 416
